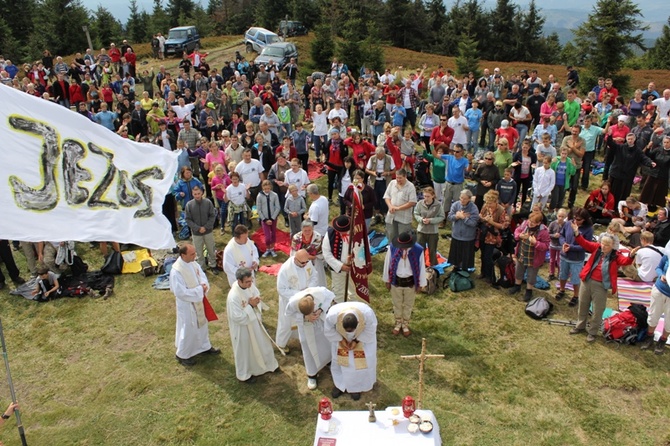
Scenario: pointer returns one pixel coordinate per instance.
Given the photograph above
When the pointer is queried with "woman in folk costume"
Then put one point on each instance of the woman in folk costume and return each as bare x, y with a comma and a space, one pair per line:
190, 285
240, 251
351, 328
295, 274
310, 240
252, 346
307, 309
404, 272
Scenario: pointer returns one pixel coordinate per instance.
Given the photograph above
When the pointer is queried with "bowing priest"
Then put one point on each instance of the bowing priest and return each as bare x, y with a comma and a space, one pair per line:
239, 252
351, 328
296, 274
190, 285
252, 346
307, 309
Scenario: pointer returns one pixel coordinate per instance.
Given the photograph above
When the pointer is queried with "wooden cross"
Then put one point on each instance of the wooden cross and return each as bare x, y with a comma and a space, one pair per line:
371, 417
422, 358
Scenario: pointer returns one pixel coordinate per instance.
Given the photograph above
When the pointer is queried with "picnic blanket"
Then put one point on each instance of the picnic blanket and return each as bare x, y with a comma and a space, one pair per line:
272, 270
314, 170
282, 244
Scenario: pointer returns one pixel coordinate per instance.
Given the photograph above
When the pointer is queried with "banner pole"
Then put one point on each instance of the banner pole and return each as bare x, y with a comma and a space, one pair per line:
19, 425
351, 247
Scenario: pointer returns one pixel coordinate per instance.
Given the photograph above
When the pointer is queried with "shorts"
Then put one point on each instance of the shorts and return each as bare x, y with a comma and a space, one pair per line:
572, 270
660, 303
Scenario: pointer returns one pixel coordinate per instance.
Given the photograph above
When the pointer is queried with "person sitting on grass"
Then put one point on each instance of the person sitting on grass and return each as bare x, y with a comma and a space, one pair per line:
599, 275
632, 218
47, 287
647, 257
533, 238
600, 204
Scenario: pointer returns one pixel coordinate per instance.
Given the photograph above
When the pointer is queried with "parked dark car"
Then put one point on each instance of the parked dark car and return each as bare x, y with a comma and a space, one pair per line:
182, 39
290, 28
278, 53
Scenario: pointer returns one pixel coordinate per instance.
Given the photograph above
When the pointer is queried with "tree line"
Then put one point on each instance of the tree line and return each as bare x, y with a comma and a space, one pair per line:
352, 28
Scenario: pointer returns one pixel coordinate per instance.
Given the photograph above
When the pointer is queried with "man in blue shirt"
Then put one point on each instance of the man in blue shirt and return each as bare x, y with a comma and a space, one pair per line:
105, 117
589, 134
457, 166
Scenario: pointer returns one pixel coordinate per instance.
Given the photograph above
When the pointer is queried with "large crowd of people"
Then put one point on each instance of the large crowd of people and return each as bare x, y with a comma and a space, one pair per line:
486, 162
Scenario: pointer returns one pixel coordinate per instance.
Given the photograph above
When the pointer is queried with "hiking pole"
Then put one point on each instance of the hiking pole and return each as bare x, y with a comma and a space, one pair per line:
560, 322
11, 387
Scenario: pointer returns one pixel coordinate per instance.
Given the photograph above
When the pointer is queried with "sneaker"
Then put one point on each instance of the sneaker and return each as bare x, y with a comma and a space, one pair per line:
311, 383
552, 277
590, 338
647, 343
515, 289
573, 302
273, 253
560, 295
266, 254
576, 330
660, 346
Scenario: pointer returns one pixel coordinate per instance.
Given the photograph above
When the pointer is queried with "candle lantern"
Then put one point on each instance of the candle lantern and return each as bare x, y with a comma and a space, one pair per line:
408, 406
325, 409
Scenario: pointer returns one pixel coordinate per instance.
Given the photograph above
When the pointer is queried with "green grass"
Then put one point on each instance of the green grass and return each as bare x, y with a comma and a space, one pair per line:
94, 372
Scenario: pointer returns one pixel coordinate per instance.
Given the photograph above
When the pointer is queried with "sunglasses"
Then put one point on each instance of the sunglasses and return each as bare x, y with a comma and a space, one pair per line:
443, 120
458, 151
488, 159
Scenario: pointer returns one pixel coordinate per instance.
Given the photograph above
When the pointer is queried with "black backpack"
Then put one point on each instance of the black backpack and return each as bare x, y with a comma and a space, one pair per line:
539, 308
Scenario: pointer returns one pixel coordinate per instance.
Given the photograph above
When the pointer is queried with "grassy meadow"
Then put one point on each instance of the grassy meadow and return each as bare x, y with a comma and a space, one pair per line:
102, 372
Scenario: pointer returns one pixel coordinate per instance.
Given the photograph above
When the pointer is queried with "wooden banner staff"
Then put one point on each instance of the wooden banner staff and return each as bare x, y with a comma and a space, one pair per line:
351, 247
422, 358
19, 425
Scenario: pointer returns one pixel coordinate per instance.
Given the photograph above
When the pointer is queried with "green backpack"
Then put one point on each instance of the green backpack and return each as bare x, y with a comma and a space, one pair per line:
458, 281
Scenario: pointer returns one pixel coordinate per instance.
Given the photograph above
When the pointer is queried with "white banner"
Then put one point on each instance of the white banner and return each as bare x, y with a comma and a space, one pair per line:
64, 177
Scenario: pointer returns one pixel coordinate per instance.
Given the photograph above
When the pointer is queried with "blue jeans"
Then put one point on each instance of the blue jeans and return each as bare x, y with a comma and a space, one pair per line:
473, 140
318, 145
523, 131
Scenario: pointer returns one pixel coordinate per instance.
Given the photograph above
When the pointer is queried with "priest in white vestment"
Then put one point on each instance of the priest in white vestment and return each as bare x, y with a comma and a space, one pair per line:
308, 310
189, 284
296, 274
351, 327
252, 346
239, 252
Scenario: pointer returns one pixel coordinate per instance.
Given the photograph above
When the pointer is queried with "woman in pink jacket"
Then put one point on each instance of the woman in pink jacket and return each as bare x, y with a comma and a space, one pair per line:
533, 242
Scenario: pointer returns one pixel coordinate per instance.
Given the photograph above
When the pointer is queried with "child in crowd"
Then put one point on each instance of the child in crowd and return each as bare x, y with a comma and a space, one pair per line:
565, 169
219, 182
295, 208
474, 117
507, 190
398, 114
555, 243
48, 287
267, 205
546, 149
543, 183
236, 196
284, 115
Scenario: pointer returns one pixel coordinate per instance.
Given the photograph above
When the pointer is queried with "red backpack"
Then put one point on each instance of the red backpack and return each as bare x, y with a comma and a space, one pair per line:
622, 327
